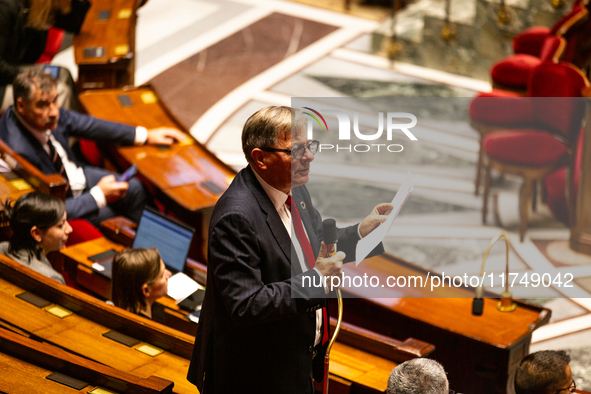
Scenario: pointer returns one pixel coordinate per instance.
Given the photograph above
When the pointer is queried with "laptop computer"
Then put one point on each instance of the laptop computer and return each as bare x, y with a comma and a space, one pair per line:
170, 237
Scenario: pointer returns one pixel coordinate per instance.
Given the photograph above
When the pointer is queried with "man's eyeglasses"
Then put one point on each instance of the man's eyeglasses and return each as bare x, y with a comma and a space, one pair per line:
298, 151
571, 388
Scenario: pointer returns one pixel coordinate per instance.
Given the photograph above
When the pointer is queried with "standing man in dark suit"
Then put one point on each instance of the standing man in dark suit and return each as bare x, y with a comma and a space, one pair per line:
262, 329
37, 129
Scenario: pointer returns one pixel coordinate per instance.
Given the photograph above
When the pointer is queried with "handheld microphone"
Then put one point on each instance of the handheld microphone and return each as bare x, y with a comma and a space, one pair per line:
329, 233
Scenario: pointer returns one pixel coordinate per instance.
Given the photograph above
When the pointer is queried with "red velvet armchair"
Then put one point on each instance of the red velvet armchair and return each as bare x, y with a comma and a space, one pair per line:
546, 142
513, 72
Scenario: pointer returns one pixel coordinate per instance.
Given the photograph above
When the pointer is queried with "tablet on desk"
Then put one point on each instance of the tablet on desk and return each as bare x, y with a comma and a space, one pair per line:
193, 302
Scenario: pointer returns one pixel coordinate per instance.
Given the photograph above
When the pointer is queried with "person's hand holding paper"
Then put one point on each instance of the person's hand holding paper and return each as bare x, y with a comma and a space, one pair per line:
377, 232
377, 216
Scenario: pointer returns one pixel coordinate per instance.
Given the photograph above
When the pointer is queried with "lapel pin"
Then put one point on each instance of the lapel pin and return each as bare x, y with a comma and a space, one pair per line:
303, 205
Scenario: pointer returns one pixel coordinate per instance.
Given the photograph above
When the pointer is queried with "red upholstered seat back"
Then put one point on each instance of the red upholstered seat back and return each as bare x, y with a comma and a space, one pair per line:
577, 15
82, 231
550, 80
577, 32
91, 152
530, 40
552, 49
55, 37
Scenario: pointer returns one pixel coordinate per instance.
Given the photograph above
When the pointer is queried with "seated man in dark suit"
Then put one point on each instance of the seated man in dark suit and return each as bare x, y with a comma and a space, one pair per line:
261, 328
545, 372
36, 128
23, 35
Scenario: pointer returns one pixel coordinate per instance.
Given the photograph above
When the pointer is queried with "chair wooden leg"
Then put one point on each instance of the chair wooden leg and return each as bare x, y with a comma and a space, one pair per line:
478, 171
524, 199
485, 193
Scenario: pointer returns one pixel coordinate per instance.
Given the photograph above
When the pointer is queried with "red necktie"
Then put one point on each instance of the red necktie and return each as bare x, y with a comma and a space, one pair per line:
305, 243
299, 228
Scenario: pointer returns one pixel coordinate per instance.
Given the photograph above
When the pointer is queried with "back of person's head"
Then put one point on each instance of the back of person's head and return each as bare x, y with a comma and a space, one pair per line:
132, 268
23, 84
542, 372
33, 209
266, 126
418, 376
42, 12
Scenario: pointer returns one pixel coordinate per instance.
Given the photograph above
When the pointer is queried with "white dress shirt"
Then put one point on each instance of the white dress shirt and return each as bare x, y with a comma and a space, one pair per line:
76, 177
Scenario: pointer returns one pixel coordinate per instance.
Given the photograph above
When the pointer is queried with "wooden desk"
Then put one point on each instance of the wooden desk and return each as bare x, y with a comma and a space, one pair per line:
189, 178
105, 48
480, 353
84, 337
51, 184
89, 307
26, 364
13, 188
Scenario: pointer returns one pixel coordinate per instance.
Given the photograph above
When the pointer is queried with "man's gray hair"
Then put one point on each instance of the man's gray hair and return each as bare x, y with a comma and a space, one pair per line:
23, 84
264, 128
418, 376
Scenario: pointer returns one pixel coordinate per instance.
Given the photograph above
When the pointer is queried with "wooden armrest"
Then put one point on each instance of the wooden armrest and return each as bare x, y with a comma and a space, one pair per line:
52, 184
381, 345
119, 229
55, 359
197, 270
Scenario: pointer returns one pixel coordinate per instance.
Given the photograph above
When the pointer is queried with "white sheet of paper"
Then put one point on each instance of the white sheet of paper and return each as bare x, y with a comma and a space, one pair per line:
4, 167
367, 244
180, 286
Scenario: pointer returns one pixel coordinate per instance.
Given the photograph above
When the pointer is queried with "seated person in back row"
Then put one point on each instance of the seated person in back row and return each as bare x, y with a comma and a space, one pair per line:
545, 372
39, 226
23, 35
418, 376
139, 279
37, 129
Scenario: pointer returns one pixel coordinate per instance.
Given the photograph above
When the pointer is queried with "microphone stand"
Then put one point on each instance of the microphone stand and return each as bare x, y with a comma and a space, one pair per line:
506, 303
330, 234
332, 340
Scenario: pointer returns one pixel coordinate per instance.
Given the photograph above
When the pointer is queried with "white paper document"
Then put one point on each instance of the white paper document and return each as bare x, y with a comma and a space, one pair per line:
4, 167
180, 286
367, 244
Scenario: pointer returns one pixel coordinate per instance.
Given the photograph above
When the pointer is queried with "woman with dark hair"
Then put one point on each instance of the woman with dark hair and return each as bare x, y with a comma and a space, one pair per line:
139, 279
39, 225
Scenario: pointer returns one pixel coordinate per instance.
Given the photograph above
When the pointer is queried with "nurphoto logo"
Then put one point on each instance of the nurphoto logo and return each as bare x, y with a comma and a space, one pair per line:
393, 120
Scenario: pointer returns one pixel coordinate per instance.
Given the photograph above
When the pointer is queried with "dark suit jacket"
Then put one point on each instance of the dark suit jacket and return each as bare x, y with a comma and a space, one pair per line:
257, 326
71, 124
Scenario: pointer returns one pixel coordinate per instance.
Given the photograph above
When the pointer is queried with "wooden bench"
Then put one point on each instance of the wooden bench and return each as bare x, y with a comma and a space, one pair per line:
29, 366
82, 331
